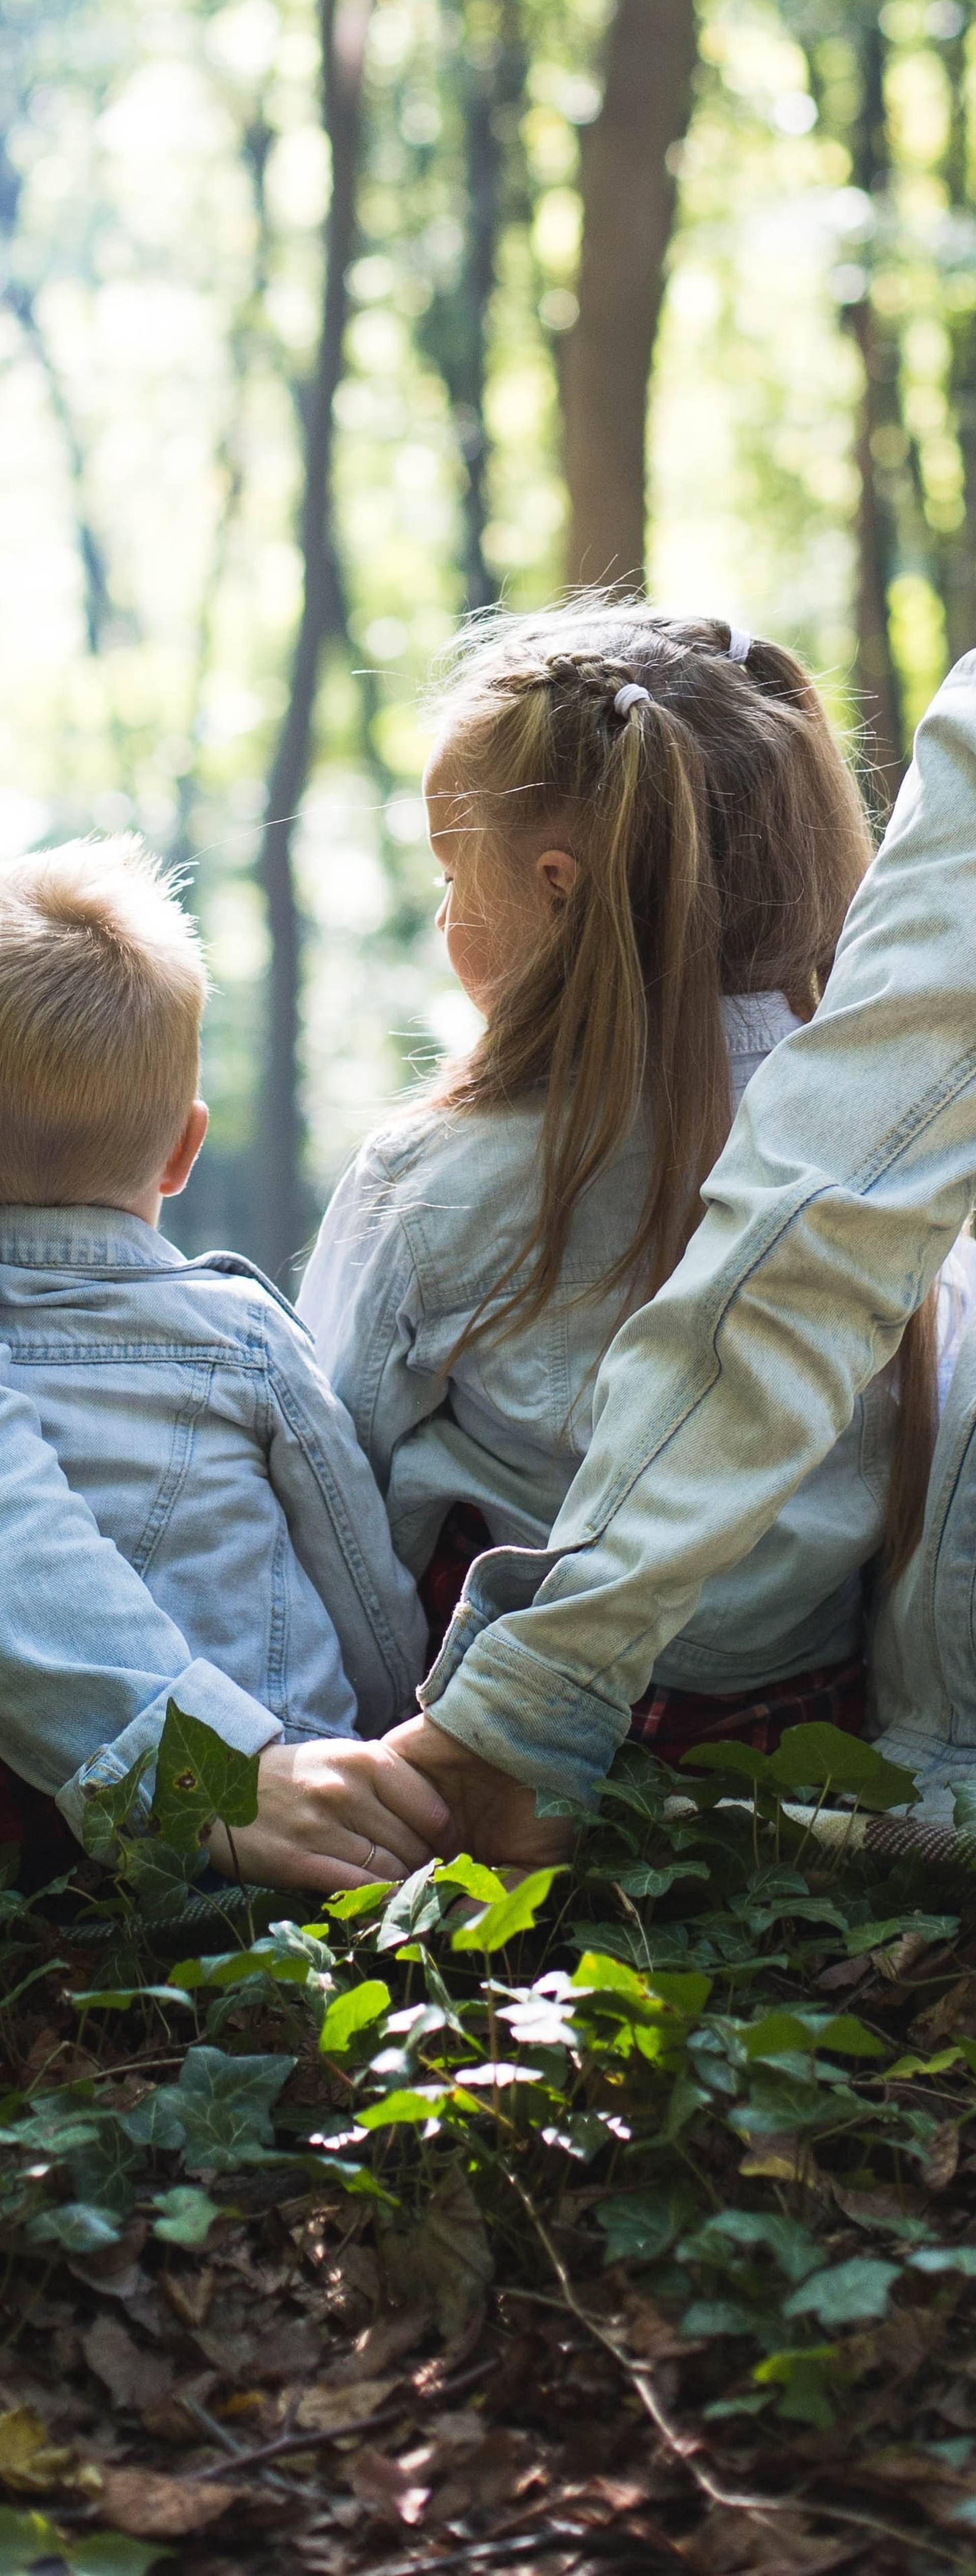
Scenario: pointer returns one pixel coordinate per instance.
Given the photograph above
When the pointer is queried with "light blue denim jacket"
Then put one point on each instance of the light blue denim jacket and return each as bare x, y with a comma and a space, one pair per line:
183, 1402
412, 1247
848, 1173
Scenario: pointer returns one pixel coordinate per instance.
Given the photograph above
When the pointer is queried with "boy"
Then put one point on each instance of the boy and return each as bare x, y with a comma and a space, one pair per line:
182, 1398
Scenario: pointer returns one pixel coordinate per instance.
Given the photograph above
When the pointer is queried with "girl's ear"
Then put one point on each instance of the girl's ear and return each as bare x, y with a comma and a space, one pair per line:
556, 872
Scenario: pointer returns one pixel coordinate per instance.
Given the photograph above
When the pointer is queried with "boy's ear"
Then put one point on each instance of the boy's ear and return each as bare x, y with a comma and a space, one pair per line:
184, 1155
556, 871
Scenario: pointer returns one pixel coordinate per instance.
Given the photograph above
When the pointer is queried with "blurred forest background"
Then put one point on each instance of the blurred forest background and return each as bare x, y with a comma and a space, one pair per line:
322, 320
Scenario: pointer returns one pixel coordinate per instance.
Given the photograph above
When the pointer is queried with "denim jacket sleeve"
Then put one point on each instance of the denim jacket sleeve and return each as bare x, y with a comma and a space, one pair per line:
362, 1299
87, 1660
845, 1180
339, 1530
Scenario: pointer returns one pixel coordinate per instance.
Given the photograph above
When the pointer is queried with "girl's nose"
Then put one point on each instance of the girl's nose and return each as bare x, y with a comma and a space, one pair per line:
440, 916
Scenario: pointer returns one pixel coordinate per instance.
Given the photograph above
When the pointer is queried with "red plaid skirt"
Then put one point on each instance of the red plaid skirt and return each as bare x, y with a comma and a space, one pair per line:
667, 1720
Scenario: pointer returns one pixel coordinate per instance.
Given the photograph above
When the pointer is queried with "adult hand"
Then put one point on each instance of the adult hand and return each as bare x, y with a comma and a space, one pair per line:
493, 1816
333, 1814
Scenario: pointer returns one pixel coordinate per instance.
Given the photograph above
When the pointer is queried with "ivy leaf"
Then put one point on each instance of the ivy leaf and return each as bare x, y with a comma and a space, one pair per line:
637, 2226
352, 2012
741, 1759
473, 1879
186, 2215
108, 1810
821, 1756
846, 2292
200, 1777
29, 2541
406, 2106
514, 1912
76, 2225
159, 1875
220, 2110
232, 1967
643, 1880
730, 2230
353, 1902
414, 1907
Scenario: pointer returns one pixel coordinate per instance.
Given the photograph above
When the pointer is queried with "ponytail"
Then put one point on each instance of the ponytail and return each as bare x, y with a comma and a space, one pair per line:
719, 838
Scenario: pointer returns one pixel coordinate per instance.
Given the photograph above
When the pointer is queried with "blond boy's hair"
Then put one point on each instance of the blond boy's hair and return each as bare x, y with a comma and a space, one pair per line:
102, 987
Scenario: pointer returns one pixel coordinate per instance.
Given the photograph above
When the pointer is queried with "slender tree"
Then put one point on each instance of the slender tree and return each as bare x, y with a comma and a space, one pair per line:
628, 192
281, 1205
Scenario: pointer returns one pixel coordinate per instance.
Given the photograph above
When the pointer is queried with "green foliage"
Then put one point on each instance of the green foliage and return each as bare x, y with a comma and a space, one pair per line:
681, 2050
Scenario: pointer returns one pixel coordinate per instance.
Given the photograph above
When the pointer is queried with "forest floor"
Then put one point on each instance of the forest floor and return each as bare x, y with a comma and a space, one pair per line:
623, 2221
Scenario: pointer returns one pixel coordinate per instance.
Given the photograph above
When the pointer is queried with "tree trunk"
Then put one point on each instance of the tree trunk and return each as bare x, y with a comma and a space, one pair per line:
877, 674
281, 1201
628, 207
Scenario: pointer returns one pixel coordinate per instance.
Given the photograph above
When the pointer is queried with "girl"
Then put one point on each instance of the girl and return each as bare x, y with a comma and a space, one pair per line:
649, 841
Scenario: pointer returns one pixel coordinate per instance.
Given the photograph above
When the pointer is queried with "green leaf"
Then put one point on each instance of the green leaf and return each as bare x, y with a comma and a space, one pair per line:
875, 1936
110, 2553
730, 2230
642, 1880
108, 1811
200, 1777
353, 1902
405, 2106
232, 1967
740, 1759
637, 2227
945, 2258
160, 1876
780, 2034
186, 2215
119, 1998
473, 1879
353, 2012
219, 2111
76, 2225
414, 1907
514, 1913
846, 2292
818, 1756
24, 2539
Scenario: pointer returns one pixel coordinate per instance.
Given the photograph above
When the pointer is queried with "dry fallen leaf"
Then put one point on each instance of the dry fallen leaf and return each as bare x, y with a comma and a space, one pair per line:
389, 2487
941, 2156
189, 2294
152, 2506
337, 2406
28, 2458
134, 2377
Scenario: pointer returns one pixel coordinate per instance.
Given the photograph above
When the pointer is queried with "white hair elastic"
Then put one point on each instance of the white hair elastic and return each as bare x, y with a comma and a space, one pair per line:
631, 695
740, 644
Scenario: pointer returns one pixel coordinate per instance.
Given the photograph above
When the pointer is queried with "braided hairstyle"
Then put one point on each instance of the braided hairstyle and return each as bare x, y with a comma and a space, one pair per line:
719, 837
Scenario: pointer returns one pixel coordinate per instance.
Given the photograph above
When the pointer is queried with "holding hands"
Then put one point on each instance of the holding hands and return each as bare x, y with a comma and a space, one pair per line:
336, 1813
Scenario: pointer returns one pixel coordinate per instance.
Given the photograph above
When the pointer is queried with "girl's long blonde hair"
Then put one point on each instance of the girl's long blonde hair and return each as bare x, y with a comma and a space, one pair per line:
719, 837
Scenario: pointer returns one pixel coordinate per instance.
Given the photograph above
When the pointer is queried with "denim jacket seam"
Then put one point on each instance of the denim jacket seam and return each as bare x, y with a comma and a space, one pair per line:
176, 1470
858, 1183
343, 1531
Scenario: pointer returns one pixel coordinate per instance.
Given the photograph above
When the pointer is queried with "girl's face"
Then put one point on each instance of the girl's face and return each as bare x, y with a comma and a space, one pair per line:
495, 905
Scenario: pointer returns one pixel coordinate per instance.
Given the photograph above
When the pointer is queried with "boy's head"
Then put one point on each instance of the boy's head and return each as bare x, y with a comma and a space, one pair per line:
102, 987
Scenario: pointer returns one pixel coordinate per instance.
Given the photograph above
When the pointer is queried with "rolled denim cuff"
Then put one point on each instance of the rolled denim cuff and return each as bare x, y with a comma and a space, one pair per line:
554, 1734
202, 1692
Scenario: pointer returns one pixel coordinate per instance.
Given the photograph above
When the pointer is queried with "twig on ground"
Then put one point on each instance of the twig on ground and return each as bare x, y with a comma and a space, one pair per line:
683, 2446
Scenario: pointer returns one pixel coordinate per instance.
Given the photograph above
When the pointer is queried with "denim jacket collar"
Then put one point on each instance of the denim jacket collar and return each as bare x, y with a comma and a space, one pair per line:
82, 1238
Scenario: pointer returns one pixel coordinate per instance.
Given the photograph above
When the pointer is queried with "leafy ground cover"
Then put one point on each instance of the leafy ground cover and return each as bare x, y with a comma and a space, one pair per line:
621, 2220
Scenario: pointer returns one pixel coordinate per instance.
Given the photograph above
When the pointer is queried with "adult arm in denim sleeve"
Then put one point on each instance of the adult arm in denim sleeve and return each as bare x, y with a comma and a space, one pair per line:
362, 1299
340, 1532
846, 1177
87, 1661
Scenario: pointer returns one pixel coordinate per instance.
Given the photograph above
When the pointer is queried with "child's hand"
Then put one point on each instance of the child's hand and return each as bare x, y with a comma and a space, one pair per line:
332, 1814
492, 1816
